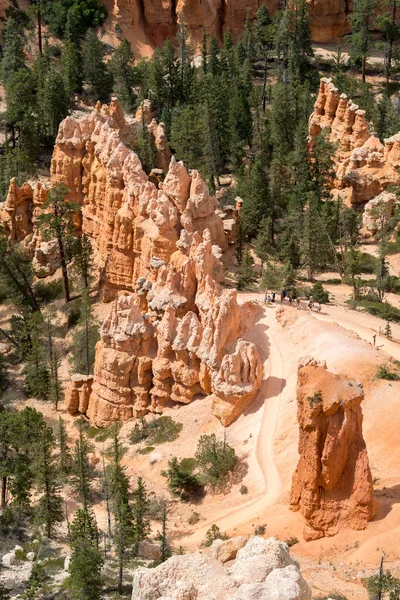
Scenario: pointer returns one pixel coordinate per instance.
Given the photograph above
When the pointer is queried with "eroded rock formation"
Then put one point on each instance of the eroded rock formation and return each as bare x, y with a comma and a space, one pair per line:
332, 485
16, 212
176, 338
158, 19
364, 166
263, 569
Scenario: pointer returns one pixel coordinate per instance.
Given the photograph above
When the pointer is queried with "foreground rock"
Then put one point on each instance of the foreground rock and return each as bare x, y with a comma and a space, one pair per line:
263, 570
332, 485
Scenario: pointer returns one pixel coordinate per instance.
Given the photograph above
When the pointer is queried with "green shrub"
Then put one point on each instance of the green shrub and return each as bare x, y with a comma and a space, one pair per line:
368, 263
181, 481
384, 372
260, 530
73, 315
146, 450
47, 292
194, 518
384, 310
157, 431
292, 541
319, 293
20, 555
315, 399
214, 533
215, 458
244, 489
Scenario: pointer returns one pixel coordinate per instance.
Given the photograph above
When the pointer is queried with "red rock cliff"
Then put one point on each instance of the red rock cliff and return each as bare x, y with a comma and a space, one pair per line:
332, 485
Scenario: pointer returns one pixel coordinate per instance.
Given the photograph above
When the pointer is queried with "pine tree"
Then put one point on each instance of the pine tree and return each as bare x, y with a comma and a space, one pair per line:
53, 101
387, 23
34, 585
54, 365
245, 275
64, 457
253, 188
37, 380
13, 51
82, 266
141, 512
71, 68
57, 222
123, 72
316, 247
82, 473
86, 560
94, 69
162, 536
85, 338
49, 508
124, 531
18, 276
361, 21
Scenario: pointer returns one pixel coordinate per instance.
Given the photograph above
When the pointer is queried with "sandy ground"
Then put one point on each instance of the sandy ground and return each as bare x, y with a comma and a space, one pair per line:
265, 439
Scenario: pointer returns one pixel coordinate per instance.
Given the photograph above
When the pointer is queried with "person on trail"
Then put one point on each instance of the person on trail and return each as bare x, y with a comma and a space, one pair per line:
298, 303
282, 297
273, 296
374, 338
318, 307
266, 296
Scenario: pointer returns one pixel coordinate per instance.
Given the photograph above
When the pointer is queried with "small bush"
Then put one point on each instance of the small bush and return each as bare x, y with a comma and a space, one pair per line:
181, 481
292, 541
384, 372
47, 292
368, 263
315, 399
319, 293
99, 434
260, 530
214, 533
215, 459
73, 315
158, 431
194, 518
384, 310
20, 555
244, 489
146, 450
156, 507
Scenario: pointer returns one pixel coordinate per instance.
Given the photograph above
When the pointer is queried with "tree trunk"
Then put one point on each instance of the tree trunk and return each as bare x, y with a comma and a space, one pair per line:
120, 574
264, 99
64, 269
364, 65
3, 501
87, 345
39, 19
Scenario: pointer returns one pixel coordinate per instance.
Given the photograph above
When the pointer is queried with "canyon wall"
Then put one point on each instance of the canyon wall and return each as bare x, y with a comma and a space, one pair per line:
332, 485
157, 20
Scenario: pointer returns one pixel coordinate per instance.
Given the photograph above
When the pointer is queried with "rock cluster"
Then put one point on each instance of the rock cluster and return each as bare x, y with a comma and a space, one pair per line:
176, 338
16, 211
332, 485
364, 167
263, 570
158, 19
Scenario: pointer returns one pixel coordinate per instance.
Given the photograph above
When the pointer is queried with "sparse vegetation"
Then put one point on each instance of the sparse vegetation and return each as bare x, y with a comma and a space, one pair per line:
260, 529
214, 533
386, 372
156, 431
194, 518
291, 541
315, 399
181, 479
215, 459
243, 489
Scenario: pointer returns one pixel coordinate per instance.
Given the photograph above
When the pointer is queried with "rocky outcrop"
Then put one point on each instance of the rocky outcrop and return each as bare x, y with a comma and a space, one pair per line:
263, 570
16, 212
364, 167
332, 485
77, 394
176, 338
158, 19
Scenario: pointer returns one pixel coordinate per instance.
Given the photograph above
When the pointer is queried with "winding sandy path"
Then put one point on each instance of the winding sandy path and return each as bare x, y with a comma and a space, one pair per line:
273, 387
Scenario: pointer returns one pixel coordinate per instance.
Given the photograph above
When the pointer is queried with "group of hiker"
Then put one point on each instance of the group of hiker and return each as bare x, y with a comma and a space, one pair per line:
293, 298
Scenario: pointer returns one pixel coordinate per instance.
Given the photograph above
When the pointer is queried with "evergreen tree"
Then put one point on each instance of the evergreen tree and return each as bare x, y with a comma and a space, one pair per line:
82, 253
86, 560
49, 508
13, 58
387, 23
253, 188
361, 21
71, 68
181, 480
57, 222
94, 69
64, 457
54, 365
123, 72
85, 338
124, 531
82, 473
145, 147
162, 536
18, 276
245, 275
37, 380
53, 101
141, 512
316, 247
34, 585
